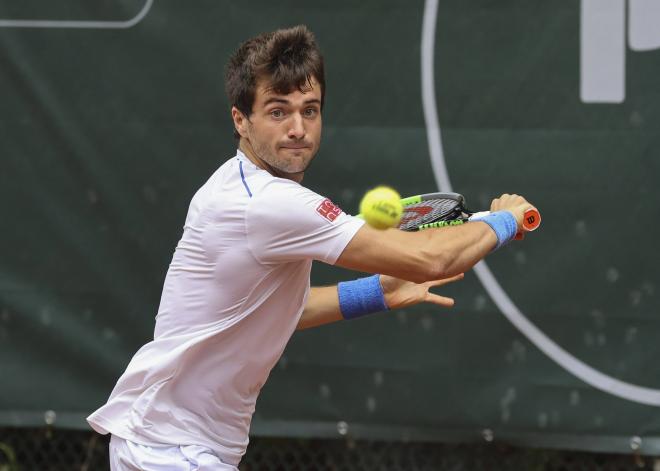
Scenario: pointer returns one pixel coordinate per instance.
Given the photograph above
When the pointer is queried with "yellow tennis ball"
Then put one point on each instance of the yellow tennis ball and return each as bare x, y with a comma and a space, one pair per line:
381, 207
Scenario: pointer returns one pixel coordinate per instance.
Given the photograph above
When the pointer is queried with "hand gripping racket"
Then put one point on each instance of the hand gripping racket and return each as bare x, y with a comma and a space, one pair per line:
448, 209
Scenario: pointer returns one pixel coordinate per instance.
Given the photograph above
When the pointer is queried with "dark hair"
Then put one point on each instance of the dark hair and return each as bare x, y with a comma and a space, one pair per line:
287, 58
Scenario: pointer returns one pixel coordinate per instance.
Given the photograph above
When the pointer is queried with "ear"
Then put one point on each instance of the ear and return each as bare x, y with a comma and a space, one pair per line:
240, 121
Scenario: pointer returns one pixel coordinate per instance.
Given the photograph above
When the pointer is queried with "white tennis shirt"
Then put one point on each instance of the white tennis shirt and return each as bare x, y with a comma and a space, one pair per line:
232, 297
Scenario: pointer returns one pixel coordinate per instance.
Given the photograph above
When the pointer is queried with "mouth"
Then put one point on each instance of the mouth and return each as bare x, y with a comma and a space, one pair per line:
295, 146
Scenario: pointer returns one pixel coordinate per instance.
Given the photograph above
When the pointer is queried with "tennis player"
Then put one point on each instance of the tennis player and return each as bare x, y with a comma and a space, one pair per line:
238, 284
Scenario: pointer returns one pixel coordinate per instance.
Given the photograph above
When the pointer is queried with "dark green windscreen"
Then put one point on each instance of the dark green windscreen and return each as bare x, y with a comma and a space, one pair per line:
112, 114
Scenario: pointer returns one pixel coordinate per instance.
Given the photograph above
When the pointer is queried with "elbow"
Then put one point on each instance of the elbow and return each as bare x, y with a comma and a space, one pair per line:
303, 324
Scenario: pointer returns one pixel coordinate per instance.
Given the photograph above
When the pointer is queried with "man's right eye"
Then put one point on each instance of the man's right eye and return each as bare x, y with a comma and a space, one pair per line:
277, 113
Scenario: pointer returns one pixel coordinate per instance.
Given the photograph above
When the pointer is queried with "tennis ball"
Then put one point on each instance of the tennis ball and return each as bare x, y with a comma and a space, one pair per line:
381, 207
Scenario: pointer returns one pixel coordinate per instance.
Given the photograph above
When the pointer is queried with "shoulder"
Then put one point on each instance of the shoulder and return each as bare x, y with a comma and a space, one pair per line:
286, 193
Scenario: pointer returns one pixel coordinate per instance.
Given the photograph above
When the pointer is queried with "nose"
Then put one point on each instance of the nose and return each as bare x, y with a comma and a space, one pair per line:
297, 127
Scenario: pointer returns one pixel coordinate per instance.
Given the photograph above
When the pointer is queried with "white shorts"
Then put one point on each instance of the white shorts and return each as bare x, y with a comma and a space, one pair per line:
130, 456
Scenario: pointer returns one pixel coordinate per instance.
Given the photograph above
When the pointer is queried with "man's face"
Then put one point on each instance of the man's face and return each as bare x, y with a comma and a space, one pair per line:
284, 131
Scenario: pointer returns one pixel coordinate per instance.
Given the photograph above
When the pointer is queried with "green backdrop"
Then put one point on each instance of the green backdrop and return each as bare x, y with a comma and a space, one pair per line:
112, 114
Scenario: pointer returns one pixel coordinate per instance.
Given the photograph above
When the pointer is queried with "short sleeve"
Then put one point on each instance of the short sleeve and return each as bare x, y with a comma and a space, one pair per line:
288, 222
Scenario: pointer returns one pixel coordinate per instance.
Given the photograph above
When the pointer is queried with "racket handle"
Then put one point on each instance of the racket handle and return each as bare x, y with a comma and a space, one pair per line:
531, 221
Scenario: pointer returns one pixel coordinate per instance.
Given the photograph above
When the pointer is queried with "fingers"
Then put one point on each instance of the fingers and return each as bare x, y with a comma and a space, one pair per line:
444, 281
507, 201
443, 301
439, 300
516, 204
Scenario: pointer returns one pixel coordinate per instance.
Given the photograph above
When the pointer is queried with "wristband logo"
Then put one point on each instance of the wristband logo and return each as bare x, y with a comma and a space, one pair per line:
328, 210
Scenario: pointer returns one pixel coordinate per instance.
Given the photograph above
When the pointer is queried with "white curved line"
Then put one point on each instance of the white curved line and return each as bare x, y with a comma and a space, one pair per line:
564, 359
433, 135
79, 24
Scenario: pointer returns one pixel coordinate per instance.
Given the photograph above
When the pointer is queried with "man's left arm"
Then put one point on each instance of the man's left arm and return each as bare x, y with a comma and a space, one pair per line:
323, 302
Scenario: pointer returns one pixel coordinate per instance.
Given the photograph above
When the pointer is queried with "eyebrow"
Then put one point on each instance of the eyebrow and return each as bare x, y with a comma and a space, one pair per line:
287, 102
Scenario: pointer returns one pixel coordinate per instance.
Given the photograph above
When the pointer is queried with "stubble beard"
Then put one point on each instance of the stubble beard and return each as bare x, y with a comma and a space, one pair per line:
282, 165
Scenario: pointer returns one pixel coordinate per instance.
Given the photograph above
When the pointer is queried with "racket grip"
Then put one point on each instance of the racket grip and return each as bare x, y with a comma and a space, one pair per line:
531, 221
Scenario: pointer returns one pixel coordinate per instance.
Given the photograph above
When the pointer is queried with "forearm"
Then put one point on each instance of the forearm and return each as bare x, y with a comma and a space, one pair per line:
322, 308
357, 298
457, 249
419, 256
347, 300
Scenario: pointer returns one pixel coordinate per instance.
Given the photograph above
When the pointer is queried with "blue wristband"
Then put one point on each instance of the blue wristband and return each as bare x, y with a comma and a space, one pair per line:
503, 223
360, 297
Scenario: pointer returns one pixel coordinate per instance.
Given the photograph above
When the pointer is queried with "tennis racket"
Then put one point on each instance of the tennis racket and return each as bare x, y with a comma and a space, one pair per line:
448, 209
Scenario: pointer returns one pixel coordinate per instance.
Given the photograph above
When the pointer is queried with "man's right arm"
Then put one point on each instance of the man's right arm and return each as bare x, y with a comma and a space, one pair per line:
430, 254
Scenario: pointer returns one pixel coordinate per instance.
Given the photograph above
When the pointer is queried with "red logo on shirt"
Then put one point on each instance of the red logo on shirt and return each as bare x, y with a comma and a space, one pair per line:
328, 210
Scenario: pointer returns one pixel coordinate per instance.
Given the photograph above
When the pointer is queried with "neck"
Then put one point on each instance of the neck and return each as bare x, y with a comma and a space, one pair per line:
246, 147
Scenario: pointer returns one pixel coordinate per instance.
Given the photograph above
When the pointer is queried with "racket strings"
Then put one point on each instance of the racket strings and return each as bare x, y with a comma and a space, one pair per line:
433, 210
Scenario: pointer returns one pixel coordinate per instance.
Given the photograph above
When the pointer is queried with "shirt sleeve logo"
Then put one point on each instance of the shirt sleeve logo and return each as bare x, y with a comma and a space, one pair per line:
328, 210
